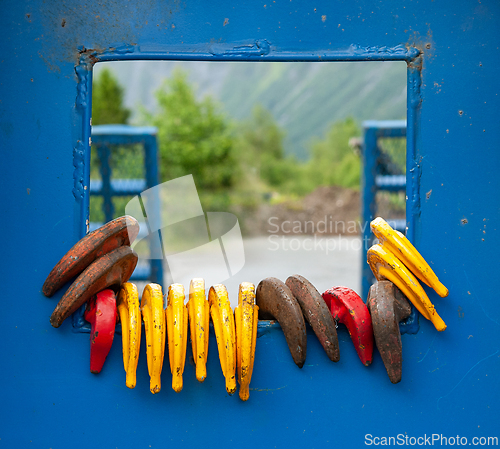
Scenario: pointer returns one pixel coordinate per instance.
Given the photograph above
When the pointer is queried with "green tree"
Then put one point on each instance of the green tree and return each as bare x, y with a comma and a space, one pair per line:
261, 151
107, 100
195, 138
333, 161
108, 108
261, 137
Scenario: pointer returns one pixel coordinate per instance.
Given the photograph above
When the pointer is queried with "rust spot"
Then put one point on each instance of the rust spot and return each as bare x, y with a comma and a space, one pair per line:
460, 112
116, 233
323, 18
464, 221
91, 54
113, 268
63, 23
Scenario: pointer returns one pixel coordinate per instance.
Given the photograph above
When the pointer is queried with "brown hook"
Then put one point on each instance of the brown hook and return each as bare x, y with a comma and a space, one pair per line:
388, 307
316, 313
118, 232
113, 268
275, 298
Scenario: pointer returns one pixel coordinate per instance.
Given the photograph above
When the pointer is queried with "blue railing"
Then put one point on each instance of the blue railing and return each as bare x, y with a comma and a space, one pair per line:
104, 137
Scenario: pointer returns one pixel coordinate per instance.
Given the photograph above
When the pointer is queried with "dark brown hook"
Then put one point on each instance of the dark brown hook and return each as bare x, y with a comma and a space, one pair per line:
316, 313
388, 306
275, 298
113, 268
118, 232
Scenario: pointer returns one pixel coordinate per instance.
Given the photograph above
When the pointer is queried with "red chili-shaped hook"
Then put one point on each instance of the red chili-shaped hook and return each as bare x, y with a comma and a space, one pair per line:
101, 314
348, 308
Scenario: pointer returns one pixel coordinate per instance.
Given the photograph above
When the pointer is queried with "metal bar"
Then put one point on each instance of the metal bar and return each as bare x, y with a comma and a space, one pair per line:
106, 191
368, 187
412, 166
86, 85
392, 183
120, 131
142, 272
119, 187
252, 52
152, 179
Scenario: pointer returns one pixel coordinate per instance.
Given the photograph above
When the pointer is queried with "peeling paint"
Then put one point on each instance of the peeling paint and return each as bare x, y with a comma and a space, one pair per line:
255, 48
79, 164
413, 166
397, 52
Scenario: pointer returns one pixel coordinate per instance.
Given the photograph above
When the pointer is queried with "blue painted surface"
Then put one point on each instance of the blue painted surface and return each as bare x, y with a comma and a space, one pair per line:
450, 380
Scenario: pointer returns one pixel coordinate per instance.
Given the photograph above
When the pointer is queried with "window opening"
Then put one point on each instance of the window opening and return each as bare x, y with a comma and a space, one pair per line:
292, 174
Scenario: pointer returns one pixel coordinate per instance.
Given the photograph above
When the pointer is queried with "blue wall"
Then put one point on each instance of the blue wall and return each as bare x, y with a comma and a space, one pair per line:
450, 380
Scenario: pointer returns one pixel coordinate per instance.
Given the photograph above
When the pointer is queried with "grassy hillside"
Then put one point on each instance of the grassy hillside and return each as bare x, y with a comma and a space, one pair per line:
305, 98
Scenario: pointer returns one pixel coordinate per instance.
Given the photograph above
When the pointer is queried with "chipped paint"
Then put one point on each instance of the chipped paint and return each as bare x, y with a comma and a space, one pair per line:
78, 172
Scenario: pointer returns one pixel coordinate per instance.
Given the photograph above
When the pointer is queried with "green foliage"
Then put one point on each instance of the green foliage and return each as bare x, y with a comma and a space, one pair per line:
235, 165
333, 161
261, 152
127, 161
194, 138
260, 137
395, 147
306, 97
107, 101
260, 146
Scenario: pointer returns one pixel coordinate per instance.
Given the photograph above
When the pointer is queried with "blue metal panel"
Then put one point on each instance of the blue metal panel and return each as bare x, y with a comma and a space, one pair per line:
450, 382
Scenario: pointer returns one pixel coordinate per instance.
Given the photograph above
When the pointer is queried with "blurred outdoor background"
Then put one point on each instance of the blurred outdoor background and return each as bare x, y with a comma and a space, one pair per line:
270, 142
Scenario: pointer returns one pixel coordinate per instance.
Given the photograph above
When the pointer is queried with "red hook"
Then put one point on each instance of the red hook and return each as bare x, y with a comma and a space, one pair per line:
101, 314
348, 308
